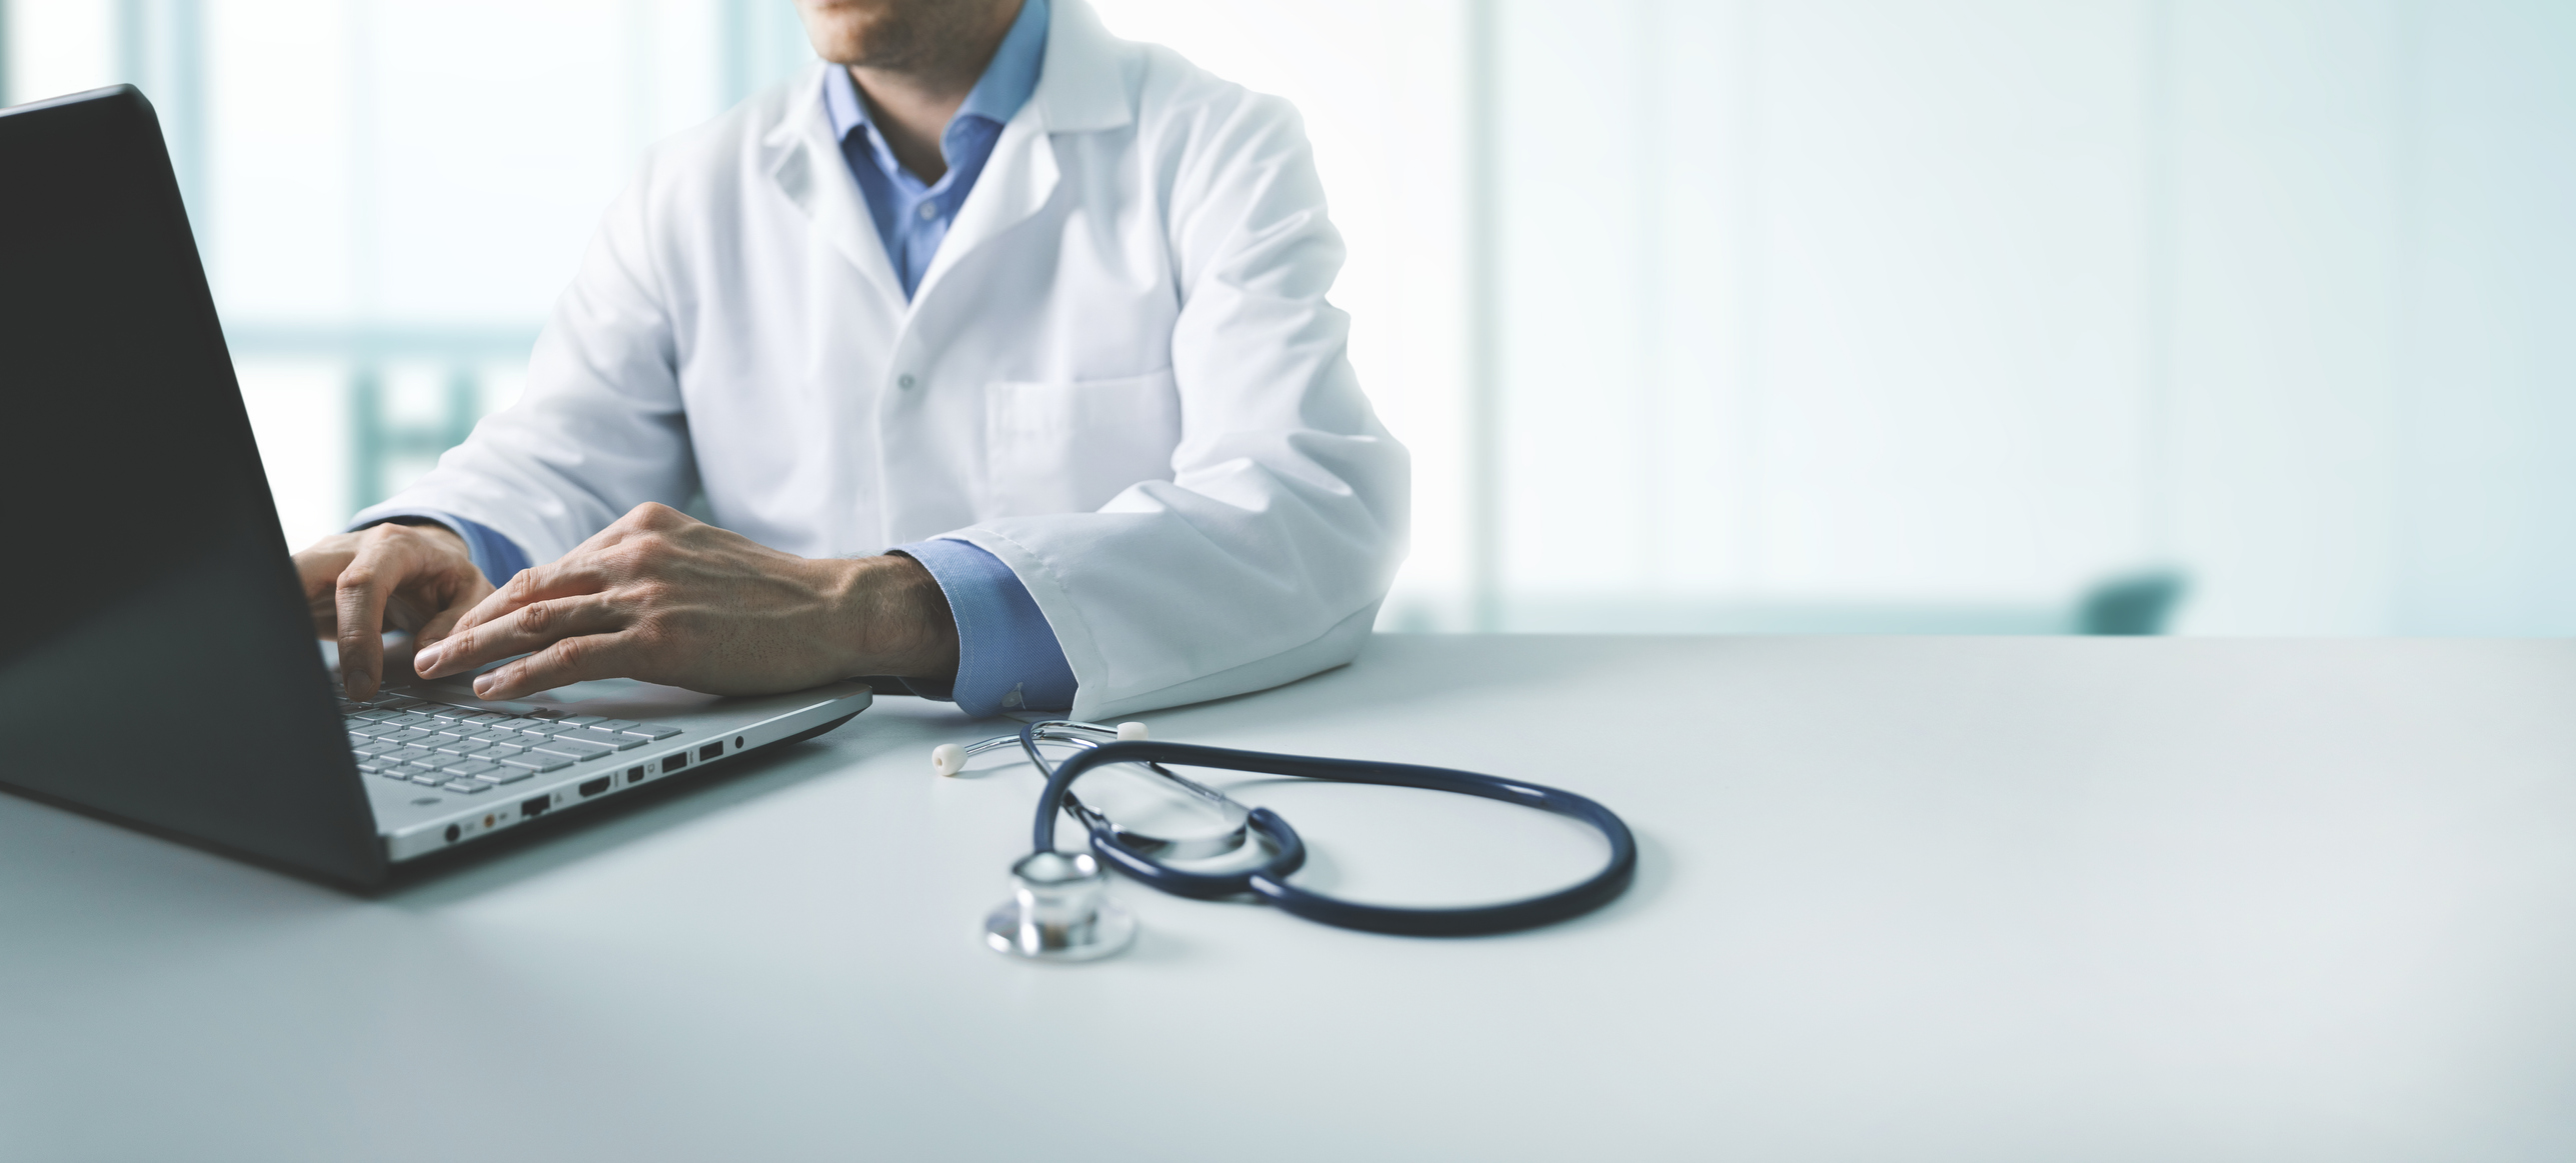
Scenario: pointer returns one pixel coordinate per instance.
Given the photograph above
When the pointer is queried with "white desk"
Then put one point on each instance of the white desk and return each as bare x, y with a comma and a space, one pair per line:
1900, 899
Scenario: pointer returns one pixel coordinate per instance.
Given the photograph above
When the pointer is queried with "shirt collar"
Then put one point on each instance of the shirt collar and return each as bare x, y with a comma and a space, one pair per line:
997, 95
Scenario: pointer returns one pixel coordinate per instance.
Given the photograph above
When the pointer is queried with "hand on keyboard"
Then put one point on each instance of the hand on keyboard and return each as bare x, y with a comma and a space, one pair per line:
661, 597
400, 577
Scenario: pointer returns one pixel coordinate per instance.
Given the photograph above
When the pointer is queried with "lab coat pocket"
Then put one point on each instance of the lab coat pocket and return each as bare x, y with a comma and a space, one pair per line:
1068, 446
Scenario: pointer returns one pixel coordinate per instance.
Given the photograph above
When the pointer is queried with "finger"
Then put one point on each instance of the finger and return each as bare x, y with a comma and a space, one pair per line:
570, 576
534, 626
321, 561
360, 596
572, 660
318, 569
443, 623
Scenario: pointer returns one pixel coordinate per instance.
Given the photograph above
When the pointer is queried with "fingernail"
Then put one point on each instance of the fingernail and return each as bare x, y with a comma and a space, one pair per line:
483, 686
425, 660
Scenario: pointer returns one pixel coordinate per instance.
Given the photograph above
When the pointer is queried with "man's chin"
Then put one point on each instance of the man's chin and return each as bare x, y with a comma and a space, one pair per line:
852, 36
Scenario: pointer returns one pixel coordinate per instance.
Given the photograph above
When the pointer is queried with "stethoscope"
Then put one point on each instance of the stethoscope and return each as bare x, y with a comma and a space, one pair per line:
1059, 908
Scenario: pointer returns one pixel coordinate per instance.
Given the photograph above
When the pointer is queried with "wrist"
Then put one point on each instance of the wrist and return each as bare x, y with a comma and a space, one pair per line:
893, 618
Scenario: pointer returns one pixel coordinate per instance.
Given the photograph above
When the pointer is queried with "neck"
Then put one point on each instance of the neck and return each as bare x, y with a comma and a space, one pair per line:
912, 102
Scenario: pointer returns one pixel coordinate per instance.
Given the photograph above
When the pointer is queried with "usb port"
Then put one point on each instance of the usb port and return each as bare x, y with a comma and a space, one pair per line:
594, 787
710, 751
534, 808
671, 763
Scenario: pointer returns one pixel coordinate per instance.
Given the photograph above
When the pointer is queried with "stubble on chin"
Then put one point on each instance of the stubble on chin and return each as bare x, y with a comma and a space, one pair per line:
904, 35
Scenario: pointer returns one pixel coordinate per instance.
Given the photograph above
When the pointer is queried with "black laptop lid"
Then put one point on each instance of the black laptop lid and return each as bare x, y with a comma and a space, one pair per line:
157, 664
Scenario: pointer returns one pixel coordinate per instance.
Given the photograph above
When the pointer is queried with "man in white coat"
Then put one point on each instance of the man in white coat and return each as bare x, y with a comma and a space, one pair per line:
999, 351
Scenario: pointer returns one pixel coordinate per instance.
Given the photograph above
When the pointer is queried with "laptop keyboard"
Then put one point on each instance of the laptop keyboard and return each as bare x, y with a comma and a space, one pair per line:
465, 750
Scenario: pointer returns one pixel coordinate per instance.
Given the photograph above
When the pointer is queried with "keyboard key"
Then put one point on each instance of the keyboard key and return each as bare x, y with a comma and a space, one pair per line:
494, 736
466, 786
372, 748
469, 767
409, 720
395, 774
398, 702
410, 735
461, 747
501, 750
649, 730
538, 761
428, 778
615, 724
486, 718
608, 739
376, 714
455, 730
507, 774
443, 711
574, 748
519, 724
408, 754
368, 764
581, 720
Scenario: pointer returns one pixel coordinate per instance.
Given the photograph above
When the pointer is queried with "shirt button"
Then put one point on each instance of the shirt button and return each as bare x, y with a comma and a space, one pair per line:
929, 211
903, 382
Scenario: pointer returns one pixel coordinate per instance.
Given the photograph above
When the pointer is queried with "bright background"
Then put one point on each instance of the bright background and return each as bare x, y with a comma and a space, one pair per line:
1830, 315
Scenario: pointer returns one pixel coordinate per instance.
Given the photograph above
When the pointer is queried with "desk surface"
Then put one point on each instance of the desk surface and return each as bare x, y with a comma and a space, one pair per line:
1899, 899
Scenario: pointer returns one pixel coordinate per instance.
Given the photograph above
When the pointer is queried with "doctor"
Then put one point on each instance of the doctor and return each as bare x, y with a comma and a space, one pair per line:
1000, 352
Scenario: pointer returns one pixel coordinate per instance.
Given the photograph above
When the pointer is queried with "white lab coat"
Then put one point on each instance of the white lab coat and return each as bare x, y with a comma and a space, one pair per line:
1120, 375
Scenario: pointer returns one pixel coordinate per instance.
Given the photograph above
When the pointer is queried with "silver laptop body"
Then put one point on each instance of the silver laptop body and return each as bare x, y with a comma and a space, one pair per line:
445, 768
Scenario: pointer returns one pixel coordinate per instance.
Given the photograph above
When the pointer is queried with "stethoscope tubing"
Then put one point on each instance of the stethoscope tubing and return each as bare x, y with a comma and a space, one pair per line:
1270, 881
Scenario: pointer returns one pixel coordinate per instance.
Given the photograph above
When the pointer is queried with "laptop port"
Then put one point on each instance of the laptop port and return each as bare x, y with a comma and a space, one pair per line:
594, 787
534, 808
634, 775
453, 832
671, 763
710, 751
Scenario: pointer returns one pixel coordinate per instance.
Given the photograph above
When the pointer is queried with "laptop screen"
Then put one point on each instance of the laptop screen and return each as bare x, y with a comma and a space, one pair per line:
157, 663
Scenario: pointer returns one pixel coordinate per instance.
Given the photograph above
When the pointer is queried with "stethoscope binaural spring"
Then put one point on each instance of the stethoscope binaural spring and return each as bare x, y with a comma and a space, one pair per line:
1059, 908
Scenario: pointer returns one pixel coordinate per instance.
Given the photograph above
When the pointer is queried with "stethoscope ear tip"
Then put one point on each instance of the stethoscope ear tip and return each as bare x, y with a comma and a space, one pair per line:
947, 759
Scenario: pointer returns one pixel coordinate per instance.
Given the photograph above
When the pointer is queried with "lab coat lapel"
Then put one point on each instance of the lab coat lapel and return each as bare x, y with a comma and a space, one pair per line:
1080, 90
1015, 184
810, 171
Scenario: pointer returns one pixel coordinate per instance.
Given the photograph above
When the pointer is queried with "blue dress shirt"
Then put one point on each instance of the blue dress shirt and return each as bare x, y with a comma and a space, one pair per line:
913, 217
1008, 658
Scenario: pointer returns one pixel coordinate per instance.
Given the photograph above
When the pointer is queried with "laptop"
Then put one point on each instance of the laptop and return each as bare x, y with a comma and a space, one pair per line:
158, 665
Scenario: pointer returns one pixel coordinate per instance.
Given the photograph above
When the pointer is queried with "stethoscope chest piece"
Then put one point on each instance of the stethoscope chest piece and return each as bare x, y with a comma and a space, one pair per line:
1059, 911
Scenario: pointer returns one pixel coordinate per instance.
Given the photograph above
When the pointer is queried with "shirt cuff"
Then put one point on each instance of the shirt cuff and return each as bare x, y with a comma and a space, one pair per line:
1007, 656
497, 556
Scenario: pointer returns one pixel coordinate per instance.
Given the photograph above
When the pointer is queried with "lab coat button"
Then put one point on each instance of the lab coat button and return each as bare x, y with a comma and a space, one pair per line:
903, 382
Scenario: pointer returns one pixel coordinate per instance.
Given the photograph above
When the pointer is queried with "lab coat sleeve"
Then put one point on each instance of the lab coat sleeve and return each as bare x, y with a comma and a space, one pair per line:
1265, 557
599, 428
